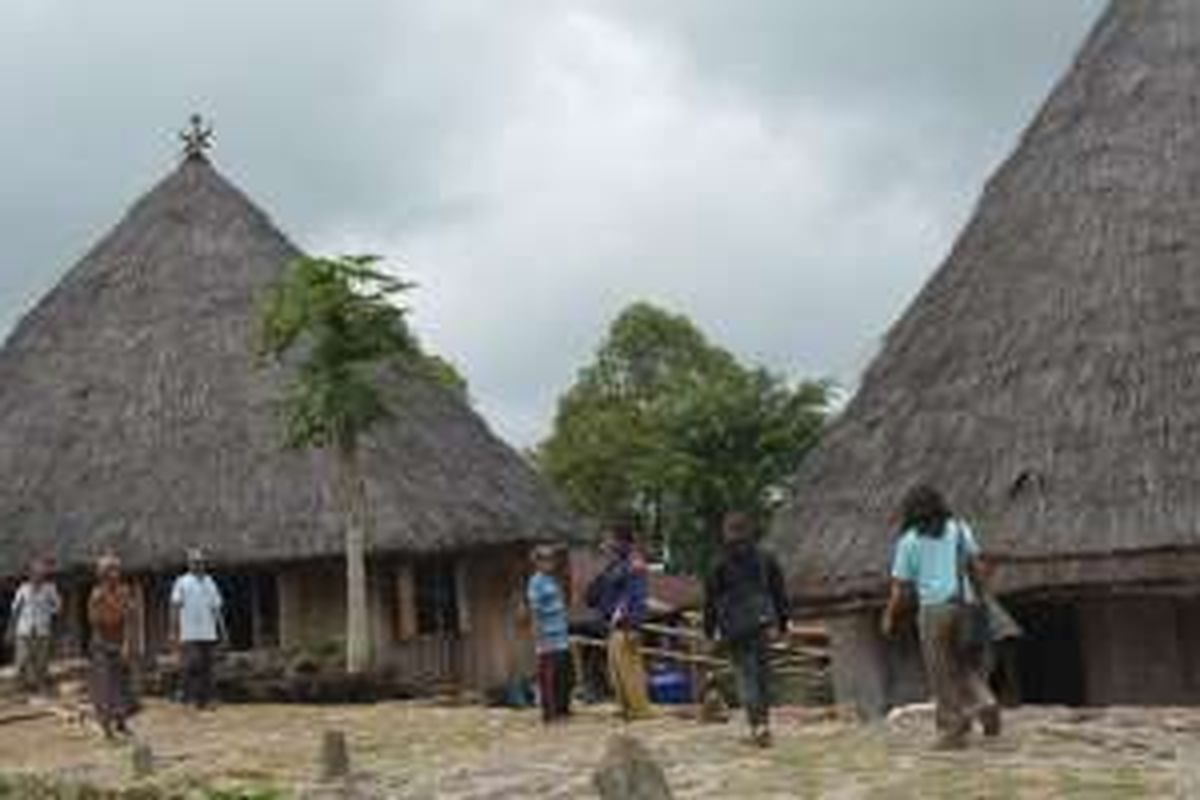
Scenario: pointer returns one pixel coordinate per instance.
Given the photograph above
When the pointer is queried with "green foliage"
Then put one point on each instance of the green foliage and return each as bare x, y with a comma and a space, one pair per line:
445, 373
670, 427
244, 793
340, 314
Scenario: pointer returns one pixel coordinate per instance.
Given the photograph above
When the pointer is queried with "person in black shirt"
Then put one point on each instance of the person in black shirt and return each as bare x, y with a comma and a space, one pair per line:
745, 606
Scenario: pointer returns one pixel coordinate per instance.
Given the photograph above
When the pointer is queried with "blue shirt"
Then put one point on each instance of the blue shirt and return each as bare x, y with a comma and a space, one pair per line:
549, 613
931, 563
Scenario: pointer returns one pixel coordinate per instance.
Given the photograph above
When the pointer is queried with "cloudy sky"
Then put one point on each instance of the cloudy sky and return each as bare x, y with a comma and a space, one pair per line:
787, 172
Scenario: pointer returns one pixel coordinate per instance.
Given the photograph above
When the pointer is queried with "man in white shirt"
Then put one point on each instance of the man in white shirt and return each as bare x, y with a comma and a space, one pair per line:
197, 626
31, 624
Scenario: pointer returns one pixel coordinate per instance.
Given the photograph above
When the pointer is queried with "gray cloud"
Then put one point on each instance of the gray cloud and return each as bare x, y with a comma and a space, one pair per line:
787, 173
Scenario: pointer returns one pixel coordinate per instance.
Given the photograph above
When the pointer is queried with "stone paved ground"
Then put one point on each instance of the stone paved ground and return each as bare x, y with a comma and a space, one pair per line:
422, 751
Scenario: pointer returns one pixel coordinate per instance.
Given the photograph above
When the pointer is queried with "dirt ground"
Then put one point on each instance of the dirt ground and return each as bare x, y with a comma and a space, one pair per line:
408, 750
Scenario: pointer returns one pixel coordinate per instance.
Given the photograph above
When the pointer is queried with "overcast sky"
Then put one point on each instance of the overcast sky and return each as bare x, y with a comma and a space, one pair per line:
786, 172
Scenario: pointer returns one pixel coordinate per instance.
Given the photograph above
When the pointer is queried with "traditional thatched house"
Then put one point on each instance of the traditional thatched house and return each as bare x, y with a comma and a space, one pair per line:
135, 416
1048, 379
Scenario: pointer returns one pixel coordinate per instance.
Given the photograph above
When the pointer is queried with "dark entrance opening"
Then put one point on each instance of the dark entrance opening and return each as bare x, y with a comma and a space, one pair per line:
251, 609
266, 597
1049, 658
237, 595
6, 599
76, 610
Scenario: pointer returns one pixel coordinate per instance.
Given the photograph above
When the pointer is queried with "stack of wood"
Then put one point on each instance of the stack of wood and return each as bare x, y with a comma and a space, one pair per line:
802, 667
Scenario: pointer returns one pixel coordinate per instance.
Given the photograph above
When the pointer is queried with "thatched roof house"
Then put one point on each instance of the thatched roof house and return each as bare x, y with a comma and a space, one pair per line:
1046, 379
135, 415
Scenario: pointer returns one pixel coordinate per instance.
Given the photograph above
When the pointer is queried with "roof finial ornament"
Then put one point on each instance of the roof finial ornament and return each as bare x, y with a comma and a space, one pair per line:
197, 138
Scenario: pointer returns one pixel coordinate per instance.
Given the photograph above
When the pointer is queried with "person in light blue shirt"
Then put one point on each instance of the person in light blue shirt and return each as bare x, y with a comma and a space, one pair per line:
548, 608
938, 561
931, 563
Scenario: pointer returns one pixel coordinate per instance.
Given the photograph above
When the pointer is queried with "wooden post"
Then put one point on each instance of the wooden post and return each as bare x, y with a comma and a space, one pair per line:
462, 590
291, 626
695, 674
406, 603
256, 623
335, 756
139, 616
142, 760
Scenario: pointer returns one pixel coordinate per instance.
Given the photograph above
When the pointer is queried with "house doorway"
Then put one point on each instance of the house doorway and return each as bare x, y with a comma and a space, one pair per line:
6, 650
1049, 658
251, 607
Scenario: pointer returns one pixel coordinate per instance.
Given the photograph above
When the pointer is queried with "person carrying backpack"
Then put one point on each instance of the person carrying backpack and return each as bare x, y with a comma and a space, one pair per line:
745, 605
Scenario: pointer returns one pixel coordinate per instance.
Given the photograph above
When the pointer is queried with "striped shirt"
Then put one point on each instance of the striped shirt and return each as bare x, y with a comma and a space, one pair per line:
549, 613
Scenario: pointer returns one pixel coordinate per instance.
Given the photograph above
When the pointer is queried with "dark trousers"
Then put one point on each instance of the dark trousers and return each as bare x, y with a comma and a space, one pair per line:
752, 672
198, 673
555, 679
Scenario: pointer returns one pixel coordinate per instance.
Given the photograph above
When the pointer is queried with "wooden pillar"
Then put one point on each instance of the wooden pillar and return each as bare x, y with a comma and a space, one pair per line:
256, 620
290, 609
406, 603
462, 590
140, 640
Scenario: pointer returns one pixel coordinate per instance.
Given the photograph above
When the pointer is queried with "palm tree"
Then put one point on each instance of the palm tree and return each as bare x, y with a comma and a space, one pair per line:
338, 316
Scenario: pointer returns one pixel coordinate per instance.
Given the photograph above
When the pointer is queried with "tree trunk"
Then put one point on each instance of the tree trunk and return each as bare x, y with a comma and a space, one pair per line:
354, 502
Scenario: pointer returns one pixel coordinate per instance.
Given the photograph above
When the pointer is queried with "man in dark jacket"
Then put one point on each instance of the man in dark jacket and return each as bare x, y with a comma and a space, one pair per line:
745, 606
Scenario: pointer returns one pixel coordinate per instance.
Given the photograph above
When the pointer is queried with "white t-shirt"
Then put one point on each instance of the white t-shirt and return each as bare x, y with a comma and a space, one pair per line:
35, 608
198, 603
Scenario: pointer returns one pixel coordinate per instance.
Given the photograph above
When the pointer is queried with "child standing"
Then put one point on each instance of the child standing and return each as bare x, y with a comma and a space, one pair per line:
548, 607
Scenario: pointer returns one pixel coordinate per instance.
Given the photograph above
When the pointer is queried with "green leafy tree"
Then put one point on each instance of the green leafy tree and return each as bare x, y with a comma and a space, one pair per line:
670, 427
339, 318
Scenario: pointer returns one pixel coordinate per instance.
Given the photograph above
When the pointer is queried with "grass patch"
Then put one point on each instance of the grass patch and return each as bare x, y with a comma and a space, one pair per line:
1123, 783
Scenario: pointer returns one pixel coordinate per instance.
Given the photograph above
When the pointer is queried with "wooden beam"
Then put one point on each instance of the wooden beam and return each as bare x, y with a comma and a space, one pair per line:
406, 603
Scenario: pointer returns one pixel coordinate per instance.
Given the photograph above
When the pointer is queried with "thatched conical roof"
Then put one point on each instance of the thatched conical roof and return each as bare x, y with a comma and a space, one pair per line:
135, 415
1048, 376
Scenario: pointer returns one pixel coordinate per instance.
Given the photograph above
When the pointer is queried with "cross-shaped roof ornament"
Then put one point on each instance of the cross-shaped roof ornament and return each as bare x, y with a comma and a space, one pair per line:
197, 138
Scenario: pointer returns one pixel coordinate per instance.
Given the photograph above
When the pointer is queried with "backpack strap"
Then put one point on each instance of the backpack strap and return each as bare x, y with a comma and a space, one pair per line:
960, 564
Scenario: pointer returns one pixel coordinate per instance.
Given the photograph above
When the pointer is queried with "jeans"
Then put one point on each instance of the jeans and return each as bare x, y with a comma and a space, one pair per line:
752, 672
198, 673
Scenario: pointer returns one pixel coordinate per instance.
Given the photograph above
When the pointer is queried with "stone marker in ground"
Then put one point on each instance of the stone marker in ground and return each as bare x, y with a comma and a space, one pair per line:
713, 708
629, 772
142, 758
335, 756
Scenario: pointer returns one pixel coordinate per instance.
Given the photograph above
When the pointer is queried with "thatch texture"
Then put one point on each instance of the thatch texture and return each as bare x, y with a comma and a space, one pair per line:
1046, 377
134, 413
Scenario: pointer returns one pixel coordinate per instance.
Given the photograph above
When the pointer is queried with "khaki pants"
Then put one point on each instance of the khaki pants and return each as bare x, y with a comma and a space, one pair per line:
628, 674
33, 662
960, 690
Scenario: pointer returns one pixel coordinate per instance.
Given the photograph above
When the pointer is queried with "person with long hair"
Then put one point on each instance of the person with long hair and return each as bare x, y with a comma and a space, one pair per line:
938, 561
110, 609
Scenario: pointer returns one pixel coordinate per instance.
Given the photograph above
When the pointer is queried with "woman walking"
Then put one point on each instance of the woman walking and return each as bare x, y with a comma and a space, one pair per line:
109, 609
938, 560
